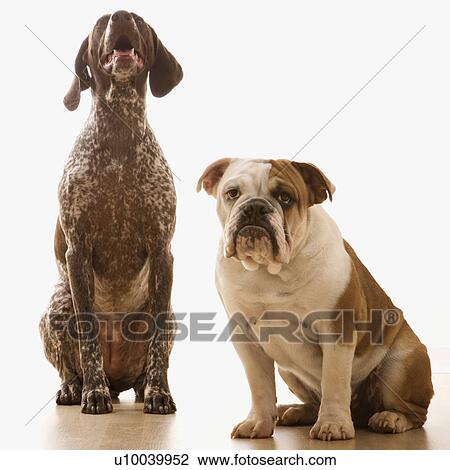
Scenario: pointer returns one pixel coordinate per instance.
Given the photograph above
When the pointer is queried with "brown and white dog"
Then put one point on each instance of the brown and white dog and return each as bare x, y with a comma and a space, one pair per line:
115, 226
281, 252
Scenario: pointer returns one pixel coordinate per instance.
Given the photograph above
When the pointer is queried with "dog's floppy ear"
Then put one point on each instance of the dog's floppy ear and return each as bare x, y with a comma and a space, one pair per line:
81, 81
165, 73
319, 186
212, 175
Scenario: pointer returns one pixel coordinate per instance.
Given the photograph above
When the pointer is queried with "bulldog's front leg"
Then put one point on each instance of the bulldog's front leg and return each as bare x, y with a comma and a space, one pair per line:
334, 421
259, 368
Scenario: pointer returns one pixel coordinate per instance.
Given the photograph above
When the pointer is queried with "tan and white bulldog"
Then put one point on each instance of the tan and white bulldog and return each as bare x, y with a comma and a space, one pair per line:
281, 252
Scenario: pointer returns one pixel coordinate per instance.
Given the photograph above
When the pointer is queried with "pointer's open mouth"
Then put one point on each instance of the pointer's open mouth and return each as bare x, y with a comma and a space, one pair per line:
123, 52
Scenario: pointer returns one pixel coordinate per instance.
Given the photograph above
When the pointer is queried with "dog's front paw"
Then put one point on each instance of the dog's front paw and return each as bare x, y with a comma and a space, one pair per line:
254, 427
158, 401
333, 429
69, 393
96, 400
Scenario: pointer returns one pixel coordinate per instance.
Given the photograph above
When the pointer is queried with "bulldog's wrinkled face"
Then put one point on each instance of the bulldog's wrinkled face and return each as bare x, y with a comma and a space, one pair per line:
262, 205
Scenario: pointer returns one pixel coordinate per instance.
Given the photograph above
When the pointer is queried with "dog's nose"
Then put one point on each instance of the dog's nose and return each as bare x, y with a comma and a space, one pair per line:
256, 210
121, 15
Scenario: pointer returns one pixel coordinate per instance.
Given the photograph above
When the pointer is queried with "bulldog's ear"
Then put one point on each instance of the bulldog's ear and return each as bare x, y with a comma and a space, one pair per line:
81, 80
165, 73
318, 184
212, 175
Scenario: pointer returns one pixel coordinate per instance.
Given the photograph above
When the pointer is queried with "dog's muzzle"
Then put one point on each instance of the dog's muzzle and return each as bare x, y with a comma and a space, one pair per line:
122, 44
252, 238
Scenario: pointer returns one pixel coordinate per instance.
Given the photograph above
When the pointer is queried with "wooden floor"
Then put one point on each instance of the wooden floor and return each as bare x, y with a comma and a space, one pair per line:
206, 424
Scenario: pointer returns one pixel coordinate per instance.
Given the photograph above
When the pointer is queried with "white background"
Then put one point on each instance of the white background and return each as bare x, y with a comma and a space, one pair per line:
261, 77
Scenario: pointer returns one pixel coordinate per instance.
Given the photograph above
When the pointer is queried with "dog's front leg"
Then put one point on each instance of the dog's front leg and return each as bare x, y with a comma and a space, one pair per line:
157, 396
95, 397
259, 368
335, 421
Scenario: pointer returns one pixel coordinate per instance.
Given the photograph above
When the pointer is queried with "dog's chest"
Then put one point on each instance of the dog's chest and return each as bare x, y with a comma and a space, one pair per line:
122, 198
104, 161
274, 318
123, 188
288, 299
299, 290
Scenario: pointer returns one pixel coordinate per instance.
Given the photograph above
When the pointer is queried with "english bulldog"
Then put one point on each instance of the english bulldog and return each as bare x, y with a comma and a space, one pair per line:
281, 252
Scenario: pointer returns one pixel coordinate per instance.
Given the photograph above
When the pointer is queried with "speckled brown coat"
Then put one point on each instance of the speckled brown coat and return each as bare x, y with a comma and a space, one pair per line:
116, 222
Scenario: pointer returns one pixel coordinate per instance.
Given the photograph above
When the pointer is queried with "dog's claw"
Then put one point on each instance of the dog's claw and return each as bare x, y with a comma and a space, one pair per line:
254, 428
69, 393
159, 402
388, 422
96, 401
331, 430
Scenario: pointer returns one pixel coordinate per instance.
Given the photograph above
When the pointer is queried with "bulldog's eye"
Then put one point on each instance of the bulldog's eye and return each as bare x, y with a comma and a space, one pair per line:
232, 194
284, 198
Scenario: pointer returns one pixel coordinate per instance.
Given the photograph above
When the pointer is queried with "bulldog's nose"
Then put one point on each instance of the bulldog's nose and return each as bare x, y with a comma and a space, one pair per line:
121, 15
256, 209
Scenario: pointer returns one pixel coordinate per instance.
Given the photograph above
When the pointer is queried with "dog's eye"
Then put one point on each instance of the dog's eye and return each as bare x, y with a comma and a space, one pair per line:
284, 198
232, 193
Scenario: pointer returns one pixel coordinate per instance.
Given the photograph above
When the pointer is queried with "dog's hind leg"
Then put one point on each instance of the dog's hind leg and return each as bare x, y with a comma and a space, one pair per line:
139, 388
399, 390
297, 414
60, 349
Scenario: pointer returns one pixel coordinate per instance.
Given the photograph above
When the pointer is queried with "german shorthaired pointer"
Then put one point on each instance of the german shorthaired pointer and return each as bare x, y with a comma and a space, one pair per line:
116, 221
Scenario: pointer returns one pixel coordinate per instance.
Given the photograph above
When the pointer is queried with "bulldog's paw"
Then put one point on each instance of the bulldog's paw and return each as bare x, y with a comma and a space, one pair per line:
96, 400
254, 427
158, 402
391, 422
333, 429
69, 393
